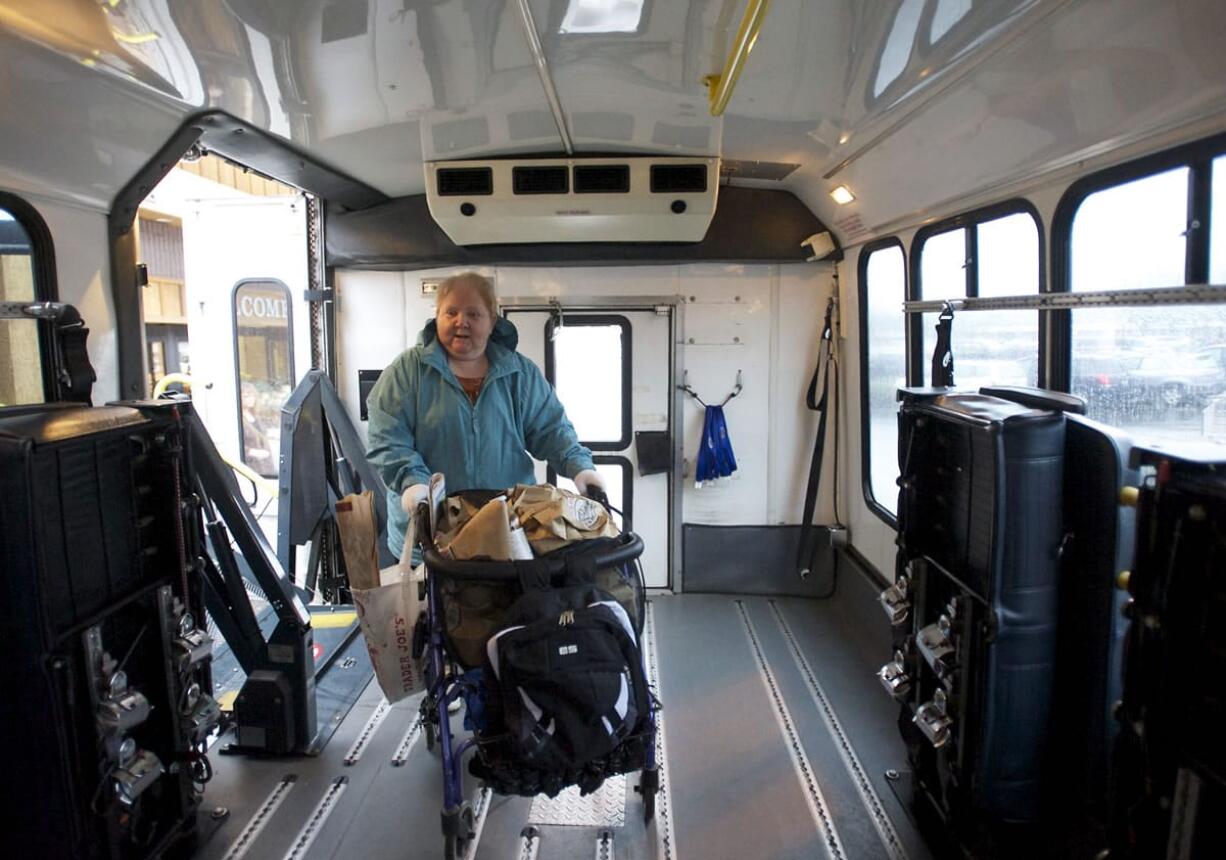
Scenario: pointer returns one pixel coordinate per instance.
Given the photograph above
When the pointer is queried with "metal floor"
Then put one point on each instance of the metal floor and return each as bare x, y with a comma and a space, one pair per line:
776, 739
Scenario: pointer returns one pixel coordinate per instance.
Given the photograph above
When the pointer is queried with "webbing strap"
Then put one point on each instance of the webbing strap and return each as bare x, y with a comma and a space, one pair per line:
943, 352
821, 378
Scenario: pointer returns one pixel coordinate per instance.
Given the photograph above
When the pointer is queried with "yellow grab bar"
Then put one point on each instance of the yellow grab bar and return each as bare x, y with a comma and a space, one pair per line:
721, 85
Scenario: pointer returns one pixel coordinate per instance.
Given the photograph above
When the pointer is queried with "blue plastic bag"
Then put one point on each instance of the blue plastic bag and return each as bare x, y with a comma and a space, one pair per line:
715, 457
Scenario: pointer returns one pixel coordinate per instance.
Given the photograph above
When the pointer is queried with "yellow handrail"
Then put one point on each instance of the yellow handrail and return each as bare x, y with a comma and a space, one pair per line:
261, 483
721, 85
169, 379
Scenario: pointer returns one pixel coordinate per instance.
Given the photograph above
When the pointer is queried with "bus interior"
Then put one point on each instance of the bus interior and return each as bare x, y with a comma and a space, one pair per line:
948, 276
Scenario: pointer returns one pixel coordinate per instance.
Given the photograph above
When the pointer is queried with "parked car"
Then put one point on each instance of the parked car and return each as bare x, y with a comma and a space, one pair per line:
1171, 380
1100, 378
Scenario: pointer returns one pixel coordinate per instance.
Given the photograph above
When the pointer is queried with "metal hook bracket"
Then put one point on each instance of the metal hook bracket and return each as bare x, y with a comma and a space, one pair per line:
685, 386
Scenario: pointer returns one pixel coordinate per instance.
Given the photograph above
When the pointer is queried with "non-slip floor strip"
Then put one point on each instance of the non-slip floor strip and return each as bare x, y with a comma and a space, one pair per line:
885, 828
407, 743
261, 818
529, 844
368, 732
604, 845
666, 838
481, 809
310, 830
800, 759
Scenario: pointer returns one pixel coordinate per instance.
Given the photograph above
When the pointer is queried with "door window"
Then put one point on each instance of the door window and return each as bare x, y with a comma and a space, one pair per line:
588, 362
263, 343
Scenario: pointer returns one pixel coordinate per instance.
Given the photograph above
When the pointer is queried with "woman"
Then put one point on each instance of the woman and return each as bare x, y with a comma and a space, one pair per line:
463, 402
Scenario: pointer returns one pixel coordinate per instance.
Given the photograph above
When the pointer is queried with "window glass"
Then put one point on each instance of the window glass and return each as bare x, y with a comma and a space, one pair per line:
948, 13
886, 351
1001, 347
588, 370
897, 51
21, 371
265, 371
1217, 223
1154, 371
989, 347
602, 16
1131, 236
1157, 372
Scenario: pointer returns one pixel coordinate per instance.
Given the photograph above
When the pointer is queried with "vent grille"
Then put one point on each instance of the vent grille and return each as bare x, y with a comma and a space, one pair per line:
602, 179
539, 180
465, 181
674, 178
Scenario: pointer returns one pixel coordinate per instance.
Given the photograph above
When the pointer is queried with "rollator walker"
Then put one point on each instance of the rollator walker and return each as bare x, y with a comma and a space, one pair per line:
466, 603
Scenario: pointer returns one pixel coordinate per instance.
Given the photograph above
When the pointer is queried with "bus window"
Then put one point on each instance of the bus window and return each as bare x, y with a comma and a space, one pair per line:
1217, 225
1155, 370
988, 257
883, 276
263, 335
21, 370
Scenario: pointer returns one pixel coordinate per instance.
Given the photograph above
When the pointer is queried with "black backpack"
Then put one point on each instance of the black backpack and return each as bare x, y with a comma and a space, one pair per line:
565, 677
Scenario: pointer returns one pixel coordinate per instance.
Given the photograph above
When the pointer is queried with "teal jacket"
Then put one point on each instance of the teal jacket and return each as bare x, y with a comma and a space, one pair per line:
422, 422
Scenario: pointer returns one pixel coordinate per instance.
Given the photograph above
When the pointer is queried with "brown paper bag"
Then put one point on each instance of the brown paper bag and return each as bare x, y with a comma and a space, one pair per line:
489, 535
359, 531
553, 518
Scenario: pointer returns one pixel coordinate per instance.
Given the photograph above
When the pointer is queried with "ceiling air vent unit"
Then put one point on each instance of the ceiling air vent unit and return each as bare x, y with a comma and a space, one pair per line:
539, 180
672, 178
602, 179
465, 181
547, 200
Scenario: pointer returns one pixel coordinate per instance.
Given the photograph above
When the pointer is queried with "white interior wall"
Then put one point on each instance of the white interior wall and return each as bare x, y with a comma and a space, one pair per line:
762, 320
84, 281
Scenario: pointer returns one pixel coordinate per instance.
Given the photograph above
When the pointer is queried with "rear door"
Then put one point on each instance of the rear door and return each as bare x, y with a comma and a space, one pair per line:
612, 368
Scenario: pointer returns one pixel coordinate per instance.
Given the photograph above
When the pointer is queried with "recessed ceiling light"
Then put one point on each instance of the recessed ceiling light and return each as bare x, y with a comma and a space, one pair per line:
842, 195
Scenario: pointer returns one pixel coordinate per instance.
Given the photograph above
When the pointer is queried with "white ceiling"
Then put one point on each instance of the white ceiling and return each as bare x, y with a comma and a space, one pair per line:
373, 87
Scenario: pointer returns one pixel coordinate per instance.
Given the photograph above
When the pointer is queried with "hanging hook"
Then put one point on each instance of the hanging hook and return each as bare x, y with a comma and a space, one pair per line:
685, 386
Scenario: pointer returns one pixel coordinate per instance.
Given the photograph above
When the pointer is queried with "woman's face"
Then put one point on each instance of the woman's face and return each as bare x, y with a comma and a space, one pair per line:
464, 323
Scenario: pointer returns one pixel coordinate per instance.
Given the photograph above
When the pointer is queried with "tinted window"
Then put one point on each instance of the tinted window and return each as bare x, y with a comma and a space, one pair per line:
21, 371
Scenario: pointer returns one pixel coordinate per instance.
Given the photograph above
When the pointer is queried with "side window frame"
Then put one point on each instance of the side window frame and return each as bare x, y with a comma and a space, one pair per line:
917, 361
866, 456
46, 285
1198, 157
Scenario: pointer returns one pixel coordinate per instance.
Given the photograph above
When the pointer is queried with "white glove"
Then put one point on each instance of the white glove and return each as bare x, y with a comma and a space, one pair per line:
588, 478
412, 497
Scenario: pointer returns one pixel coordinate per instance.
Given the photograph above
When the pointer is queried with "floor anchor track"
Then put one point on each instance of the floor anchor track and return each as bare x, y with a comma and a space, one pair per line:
368, 732
529, 843
666, 838
800, 759
885, 828
261, 818
306, 836
407, 743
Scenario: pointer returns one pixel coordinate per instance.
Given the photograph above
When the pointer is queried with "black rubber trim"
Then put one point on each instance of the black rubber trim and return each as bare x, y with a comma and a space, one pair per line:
1200, 152
46, 286
866, 482
402, 236
968, 220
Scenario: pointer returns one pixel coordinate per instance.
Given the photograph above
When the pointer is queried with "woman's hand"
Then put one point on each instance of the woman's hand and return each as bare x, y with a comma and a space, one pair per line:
412, 497
587, 479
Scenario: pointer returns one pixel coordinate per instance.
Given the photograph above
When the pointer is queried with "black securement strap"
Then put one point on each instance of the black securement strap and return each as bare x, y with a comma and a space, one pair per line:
943, 353
821, 379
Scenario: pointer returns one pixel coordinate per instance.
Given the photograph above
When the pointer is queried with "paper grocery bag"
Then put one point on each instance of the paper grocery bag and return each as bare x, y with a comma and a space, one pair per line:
359, 532
387, 614
489, 535
553, 518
